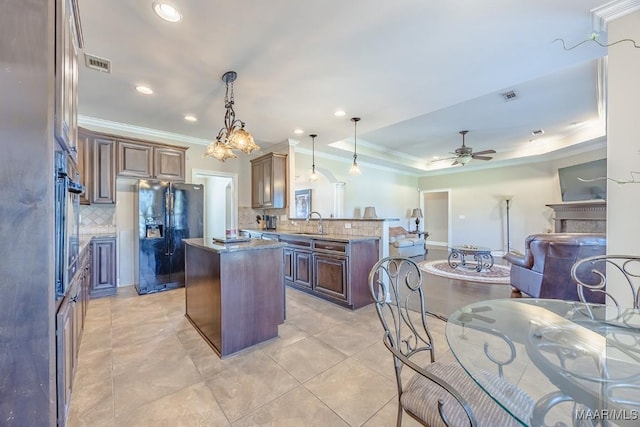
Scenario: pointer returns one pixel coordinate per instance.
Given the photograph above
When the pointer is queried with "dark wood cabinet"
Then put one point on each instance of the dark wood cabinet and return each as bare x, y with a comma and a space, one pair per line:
235, 299
103, 157
331, 275
97, 167
169, 163
84, 168
335, 270
69, 327
135, 160
297, 261
287, 270
141, 159
103, 179
302, 268
269, 181
65, 358
103, 267
68, 41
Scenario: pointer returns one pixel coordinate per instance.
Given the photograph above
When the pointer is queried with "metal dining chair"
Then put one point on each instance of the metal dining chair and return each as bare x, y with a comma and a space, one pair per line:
591, 275
438, 394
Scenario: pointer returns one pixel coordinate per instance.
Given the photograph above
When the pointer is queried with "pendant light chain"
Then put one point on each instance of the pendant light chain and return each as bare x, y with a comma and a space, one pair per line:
355, 169
314, 176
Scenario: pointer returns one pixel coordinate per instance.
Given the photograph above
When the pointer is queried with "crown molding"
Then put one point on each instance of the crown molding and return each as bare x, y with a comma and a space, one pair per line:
602, 15
117, 127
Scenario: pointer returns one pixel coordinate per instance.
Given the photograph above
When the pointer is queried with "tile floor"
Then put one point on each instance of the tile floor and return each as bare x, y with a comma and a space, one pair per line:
141, 363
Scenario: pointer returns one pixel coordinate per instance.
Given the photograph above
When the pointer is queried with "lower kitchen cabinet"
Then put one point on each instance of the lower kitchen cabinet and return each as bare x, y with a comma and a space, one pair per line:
331, 275
335, 270
69, 327
65, 357
96, 276
104, 273
298, 261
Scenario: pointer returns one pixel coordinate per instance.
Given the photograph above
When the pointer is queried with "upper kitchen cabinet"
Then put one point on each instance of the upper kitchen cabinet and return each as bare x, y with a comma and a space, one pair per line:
269, 181
68, 41
141, 159
97, 167
135, 160
169, 163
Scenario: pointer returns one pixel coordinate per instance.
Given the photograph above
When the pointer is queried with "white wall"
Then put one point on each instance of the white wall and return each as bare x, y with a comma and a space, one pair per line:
393, 195
478, 209
623, 203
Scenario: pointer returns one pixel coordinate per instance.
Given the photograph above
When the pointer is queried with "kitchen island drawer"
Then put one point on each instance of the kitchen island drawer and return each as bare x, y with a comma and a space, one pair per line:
326, 245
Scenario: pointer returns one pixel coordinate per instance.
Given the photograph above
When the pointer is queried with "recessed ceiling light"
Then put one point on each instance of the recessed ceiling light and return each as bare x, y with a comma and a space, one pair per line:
190, 118
144, 89
339, 113
167, 12
298, 131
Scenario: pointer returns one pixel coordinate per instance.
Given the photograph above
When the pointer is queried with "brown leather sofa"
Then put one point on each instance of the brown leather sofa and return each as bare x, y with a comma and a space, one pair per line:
545, 269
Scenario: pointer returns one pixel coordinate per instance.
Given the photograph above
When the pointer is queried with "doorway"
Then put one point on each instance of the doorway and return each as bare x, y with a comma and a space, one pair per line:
220, 201
436, 207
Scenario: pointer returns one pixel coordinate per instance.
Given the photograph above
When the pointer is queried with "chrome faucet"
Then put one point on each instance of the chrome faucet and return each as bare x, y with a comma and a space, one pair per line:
320, 229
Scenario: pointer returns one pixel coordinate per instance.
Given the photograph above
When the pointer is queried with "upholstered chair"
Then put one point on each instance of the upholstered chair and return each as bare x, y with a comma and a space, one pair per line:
544, 270
437, 394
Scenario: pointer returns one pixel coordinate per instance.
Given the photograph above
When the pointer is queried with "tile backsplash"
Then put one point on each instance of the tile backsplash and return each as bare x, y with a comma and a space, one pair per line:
97, 217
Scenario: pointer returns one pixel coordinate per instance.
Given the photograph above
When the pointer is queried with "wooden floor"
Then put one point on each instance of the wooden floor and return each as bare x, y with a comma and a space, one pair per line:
444, 296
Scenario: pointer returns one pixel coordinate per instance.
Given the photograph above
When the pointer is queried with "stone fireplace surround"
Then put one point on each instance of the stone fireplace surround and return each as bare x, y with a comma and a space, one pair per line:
580, 217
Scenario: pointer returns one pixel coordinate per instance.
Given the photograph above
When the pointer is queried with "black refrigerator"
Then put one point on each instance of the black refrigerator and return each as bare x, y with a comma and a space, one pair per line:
167, 213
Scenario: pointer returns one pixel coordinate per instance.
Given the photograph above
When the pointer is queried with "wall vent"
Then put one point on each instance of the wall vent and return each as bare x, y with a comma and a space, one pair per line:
509, 96
97, 63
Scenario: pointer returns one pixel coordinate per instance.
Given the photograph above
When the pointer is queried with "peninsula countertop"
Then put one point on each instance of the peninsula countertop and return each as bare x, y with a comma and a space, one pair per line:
250, 245
317, 236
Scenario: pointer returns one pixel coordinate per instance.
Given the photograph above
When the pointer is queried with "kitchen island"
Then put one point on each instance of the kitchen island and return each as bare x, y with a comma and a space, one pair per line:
234, 292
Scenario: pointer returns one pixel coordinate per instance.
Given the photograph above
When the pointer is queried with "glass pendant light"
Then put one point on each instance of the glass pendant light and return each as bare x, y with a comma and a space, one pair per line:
314, 176
355, 169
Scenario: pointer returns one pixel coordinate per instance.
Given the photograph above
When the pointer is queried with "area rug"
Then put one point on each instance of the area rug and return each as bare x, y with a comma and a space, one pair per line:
498, 274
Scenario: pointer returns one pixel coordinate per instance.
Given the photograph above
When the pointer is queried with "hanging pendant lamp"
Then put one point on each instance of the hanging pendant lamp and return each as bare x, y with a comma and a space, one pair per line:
233, 135
314, 176
355, 169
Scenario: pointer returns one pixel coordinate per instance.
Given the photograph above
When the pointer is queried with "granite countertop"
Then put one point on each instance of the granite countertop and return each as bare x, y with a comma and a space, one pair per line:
252, 244
324, 236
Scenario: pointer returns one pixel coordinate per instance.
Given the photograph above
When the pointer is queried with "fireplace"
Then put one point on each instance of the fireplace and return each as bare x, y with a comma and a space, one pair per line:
580, 217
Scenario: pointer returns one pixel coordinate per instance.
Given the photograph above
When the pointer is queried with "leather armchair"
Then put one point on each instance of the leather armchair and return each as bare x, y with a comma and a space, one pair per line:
544, 271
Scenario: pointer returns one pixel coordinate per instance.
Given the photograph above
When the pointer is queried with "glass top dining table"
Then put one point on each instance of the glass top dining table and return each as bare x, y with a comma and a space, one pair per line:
575, 363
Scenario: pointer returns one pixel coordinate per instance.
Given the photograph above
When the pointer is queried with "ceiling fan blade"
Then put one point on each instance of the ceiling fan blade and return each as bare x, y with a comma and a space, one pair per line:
481, 157
455, 162
485, 152
442, 159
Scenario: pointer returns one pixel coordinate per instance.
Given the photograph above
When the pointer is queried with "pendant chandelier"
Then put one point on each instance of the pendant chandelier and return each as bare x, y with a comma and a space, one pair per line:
314, 176
355, 169
232, 136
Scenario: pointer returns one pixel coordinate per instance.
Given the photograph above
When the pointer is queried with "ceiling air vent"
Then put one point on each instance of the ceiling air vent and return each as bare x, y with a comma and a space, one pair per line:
97, 63
509, 96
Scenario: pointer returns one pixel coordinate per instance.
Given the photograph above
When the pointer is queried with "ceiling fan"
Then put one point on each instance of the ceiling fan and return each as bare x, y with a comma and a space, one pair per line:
464, 154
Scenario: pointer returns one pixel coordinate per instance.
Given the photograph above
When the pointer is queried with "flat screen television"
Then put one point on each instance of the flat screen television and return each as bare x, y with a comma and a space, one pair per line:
573, 189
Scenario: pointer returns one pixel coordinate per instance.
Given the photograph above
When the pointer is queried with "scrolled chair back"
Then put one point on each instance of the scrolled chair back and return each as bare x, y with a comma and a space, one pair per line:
396, 288
593, 274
